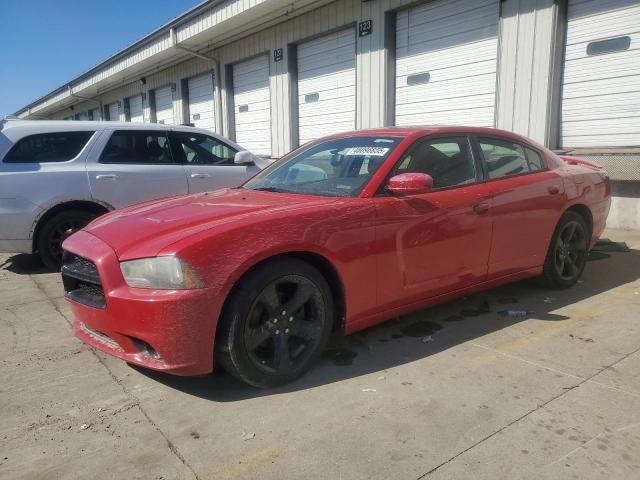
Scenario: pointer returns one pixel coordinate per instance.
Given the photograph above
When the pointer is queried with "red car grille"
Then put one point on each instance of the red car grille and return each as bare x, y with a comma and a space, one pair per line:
81, 280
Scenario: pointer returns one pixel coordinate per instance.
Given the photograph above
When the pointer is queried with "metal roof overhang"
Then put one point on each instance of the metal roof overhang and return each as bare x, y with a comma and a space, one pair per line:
201, 29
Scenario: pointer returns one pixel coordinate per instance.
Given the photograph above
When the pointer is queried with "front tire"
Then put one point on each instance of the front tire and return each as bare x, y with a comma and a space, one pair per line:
276, 323
56, 230
568, 251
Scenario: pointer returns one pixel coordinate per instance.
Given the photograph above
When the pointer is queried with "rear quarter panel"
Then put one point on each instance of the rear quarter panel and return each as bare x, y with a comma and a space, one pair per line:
590, 187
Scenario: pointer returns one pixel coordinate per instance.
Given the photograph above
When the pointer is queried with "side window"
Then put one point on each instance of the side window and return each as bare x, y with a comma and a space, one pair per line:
199, 149
48, 147
447, 160
535, 160
503, 158
137, 147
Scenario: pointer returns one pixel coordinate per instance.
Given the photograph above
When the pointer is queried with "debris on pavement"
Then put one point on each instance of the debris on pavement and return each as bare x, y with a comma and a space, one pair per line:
427, 339
248, 436
84, 426
507, 300
369, 390
606, 245
514, 313
547, 300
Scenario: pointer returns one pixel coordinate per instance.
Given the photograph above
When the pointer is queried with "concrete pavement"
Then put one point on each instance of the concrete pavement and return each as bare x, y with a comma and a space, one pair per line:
451, 392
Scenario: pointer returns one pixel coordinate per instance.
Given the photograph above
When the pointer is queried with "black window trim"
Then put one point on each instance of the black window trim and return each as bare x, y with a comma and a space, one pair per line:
174, 144
476, 139
135, 130
73, 159
478, 164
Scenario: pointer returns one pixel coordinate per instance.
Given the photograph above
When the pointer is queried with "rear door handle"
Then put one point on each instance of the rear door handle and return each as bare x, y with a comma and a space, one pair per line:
482, 207
200, 175
553, 190
107, 176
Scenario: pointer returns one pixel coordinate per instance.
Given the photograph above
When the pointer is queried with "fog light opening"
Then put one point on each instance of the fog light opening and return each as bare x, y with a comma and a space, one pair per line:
145, 349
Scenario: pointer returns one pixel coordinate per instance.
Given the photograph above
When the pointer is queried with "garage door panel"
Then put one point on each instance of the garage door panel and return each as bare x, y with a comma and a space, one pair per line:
164, 105
481, 117
482, 86
601, 93
333, 86
136, 109
252, 105
114, 112
326, 85
201, 101
456, 43
454, 32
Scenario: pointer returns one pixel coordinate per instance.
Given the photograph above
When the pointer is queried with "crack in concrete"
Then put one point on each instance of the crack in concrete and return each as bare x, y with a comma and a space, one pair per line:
525, 415
126, 391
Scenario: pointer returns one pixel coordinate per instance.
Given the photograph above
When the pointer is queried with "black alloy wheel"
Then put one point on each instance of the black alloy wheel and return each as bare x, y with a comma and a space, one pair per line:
276, 322
567, 255
285, 325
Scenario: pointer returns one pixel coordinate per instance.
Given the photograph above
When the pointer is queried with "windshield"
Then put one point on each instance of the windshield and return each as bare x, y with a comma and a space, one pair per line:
339, 167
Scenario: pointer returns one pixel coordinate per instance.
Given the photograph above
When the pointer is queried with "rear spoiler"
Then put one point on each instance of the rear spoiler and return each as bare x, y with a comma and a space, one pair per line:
581, 161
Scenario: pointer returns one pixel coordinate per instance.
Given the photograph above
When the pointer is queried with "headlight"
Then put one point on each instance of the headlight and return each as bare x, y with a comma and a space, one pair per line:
164, 273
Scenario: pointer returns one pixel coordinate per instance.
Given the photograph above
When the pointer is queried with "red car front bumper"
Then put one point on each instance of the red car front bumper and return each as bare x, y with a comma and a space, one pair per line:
167, 330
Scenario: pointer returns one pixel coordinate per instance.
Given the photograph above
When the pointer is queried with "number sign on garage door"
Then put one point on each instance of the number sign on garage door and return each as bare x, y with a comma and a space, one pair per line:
201, 104
446, 62
601, 80
164, 105
327, 85
136, 109
252, 105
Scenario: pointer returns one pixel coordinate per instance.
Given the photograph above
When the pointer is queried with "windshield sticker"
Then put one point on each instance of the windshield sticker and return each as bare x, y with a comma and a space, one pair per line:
372, 151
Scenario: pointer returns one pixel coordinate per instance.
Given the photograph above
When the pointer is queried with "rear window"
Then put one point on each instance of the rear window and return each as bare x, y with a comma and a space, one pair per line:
137, 147
48, 147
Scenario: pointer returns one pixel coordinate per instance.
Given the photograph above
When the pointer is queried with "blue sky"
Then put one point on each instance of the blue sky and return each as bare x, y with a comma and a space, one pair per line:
46, 43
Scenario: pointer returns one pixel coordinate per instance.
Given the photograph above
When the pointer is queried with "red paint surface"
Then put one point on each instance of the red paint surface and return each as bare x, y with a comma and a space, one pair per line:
392, 254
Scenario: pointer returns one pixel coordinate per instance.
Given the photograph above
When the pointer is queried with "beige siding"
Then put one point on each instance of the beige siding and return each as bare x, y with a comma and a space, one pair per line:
526, 44
525, 59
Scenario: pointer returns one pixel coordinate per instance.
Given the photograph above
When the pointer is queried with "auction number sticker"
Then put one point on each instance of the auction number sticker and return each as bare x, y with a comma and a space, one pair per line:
371, 151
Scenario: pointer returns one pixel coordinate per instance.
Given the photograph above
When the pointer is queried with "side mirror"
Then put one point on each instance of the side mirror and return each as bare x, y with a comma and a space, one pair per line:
410, 184
247, 158
244, 158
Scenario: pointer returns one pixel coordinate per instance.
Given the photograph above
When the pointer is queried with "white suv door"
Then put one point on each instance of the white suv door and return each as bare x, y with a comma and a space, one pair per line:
208, 162
135, 165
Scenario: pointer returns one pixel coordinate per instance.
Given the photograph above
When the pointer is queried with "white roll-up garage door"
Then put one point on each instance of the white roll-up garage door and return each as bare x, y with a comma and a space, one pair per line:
201, 103
446, 62
252, 105
327, 85
114, 112
136, 109
95, 114
601, 79
164, 105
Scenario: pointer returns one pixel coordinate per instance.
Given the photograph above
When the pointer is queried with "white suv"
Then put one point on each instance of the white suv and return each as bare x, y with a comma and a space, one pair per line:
56, 176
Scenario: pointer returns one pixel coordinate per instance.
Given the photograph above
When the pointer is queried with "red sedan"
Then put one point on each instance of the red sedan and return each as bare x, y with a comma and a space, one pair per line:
341, 234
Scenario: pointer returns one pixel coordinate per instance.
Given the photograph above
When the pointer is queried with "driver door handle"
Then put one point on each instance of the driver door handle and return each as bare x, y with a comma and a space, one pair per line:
200, 175
107, 176
482, 207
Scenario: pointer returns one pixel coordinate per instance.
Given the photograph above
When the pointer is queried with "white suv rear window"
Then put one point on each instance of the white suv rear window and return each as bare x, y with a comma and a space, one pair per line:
48, 147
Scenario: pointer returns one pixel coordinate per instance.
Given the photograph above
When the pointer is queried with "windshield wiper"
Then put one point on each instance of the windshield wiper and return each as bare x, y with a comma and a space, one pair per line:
270, 189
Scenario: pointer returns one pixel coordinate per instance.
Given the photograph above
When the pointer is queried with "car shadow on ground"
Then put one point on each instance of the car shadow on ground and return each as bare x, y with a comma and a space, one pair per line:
428, 332
25, 264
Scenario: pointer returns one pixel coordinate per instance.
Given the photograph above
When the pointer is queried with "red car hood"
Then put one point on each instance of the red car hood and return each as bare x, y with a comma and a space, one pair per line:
143, 229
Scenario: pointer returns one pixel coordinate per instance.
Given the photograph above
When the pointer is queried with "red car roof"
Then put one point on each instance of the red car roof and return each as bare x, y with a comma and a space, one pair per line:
431, 129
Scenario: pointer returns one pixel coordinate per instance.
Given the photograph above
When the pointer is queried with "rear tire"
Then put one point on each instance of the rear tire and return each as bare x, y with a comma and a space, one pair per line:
275, 324
56, 230
568, 251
